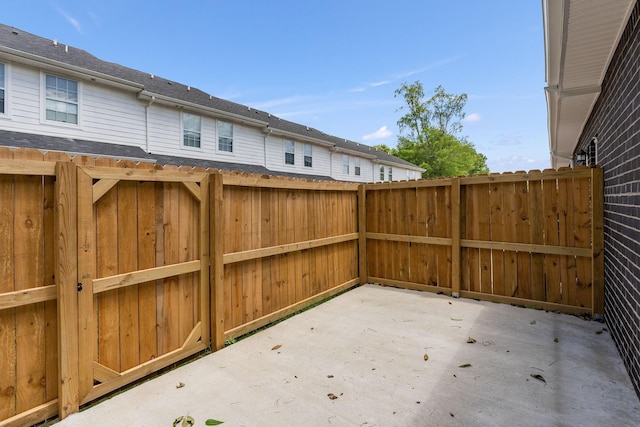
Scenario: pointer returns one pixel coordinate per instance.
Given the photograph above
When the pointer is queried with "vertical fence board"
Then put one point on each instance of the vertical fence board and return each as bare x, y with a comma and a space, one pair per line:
523, 235
514, 231
497, 214
372, 216
266, 231
552, 262
107, 265
484, 233
87, 348
419, 261
7, 284
127, 262
582, 214
536, 221
443, 227
188, 246
66, 273
51, 242
256, 265
147, 240
29, 271
168, 338
218, 223
473, 233
565, 222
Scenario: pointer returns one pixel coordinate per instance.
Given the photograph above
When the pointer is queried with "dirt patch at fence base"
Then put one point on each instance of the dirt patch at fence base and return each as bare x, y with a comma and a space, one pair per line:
384, 356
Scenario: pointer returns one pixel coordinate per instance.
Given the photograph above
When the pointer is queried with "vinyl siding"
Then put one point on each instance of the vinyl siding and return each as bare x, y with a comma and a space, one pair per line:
106, 114
165, 137
275, 158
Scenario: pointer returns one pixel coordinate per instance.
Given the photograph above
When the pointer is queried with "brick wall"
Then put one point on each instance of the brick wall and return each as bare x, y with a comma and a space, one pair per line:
615, 122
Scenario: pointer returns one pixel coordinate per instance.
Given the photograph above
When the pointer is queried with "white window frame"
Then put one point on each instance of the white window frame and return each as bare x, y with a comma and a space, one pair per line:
381, 173
390, 172
308, 155
3, 86
220, 136
195, 132
289, 152
77, 103
356, 166
345, 164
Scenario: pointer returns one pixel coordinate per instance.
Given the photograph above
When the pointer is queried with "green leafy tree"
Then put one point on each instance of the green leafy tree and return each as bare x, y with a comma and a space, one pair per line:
430, 134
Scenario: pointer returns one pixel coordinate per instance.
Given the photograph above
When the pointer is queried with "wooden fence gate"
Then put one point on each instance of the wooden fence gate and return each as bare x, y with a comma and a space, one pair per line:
143, 271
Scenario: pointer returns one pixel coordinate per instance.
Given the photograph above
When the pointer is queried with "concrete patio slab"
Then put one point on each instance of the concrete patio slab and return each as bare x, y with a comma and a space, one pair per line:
367, 348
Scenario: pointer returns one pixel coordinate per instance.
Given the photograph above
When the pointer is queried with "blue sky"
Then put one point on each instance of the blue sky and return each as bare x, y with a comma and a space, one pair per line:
332, 64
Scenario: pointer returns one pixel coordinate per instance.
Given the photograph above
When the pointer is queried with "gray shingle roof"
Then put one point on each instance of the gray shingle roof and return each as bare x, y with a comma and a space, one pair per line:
45, 48
46, 143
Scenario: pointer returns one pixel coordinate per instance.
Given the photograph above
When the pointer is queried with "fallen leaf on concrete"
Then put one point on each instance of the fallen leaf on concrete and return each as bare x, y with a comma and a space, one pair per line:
556, 340
599, 332
470, 340
533, 322
275, 347
426, 357
332, 396
538, 377
451, 413
465, 365
212, 422
180, 385
457, 320
329, 376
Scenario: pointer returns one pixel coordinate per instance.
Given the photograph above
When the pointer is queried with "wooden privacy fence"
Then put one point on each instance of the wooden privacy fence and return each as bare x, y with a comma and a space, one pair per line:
110, 270
532, 239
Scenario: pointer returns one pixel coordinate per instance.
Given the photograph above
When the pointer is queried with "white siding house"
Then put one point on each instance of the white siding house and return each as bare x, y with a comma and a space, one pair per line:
52, 90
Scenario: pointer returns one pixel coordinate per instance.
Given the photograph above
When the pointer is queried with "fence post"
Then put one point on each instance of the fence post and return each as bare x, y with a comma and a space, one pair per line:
362, 231
66, 274
597, 240
217, 263
455, 237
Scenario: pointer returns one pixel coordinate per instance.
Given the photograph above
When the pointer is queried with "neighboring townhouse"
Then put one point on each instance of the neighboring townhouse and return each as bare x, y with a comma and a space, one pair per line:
56, 97
592, 52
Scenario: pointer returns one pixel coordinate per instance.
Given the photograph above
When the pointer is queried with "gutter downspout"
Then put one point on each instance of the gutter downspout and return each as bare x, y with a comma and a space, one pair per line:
146, 114
266, 132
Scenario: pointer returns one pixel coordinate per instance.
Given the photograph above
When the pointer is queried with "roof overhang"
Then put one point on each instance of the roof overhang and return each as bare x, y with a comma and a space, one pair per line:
157, 98
79, 73
580, 37
268, 130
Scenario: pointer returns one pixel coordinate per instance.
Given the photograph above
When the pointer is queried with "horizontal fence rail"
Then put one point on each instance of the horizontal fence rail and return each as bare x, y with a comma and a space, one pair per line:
111, 270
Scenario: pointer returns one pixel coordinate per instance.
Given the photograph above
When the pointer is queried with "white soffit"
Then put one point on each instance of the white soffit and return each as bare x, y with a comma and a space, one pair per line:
580, 39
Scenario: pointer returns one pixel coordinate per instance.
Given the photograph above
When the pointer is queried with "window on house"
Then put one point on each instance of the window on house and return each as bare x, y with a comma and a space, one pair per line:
381, 173
289, 152
345, 164
308, 155
3, 85
61, 99
390, 173
356, 164
191, 133
225, 136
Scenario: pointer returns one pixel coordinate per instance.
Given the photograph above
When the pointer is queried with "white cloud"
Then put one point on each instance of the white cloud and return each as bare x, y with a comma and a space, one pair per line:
380, 83
73, 21
472, 118
381, 133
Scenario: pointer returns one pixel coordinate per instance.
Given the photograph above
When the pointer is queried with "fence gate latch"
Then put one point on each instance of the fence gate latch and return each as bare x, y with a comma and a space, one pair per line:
79, 286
